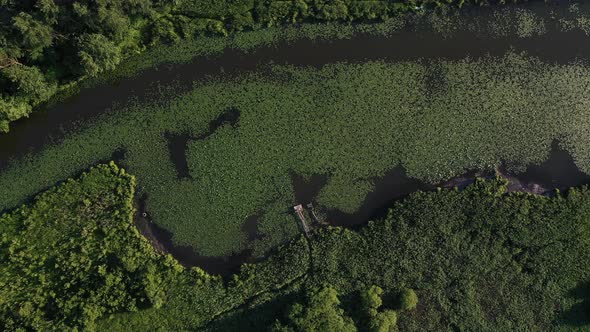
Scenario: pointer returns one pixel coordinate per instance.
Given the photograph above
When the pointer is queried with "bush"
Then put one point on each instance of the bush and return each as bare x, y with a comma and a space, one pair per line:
408, 299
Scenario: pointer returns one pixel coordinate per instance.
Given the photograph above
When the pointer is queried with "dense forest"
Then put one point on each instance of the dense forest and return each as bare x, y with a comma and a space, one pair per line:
47, 46
476, 259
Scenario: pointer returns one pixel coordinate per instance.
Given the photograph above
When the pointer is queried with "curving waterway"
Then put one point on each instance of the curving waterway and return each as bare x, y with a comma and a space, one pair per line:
50, 125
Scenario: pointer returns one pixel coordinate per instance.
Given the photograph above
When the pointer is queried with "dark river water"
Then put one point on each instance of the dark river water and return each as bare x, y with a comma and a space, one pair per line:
50, 125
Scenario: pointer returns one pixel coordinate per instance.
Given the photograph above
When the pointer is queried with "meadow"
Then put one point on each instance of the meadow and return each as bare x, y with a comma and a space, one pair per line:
350, 122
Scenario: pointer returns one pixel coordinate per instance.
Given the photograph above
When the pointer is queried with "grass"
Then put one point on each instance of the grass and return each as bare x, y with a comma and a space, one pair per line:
352, 122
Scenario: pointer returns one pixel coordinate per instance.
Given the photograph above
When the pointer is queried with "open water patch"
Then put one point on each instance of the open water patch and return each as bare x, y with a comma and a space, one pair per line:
307, 188
559, 171
177, 146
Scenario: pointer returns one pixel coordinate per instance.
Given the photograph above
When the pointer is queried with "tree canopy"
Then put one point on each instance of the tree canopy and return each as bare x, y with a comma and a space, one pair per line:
320, 312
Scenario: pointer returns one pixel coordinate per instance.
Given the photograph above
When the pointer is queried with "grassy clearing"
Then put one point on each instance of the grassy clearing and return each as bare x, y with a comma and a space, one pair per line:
352, 122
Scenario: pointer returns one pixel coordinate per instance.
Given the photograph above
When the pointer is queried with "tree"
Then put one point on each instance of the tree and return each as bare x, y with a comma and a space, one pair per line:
97, 53
48, 10
383, 321
336, 10
372, 298
35, 36
408, 299
11, 110
163, 30
27, 82
321, 312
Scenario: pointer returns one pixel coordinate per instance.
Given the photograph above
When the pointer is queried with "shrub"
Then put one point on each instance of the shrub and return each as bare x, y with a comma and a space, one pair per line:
408, 299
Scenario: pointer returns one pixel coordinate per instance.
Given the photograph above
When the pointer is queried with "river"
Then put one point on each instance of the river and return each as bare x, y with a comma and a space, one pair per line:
50, 125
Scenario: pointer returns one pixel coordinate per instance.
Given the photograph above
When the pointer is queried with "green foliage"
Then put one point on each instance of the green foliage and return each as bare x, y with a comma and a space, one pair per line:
163, 31
321, 312
408, 299
97, 54
378, 321
474, 254
383, 321
13, 110
372, 298
27, 82
483, 260
475, 120
35, 36
73, 259
74, 255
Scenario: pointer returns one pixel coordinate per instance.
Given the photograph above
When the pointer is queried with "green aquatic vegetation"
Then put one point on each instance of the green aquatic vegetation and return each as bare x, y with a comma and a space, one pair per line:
576, 18
529, 25
350, 122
